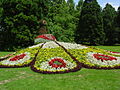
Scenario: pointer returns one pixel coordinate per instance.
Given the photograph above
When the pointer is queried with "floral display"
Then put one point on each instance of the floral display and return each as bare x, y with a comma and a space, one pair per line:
116, 53
34, 46
57, 63
54, 60
103, 60
18, 57
44, 38
103, 57
16, 60
71, 45
59, 57
21, 58
50, 44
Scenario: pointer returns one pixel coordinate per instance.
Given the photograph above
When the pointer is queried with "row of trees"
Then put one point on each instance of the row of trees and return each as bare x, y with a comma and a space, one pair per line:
86, 22
97, 26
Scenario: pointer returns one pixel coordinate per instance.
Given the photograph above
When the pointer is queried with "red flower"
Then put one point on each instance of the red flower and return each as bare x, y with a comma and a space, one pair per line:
104, 57
46, 36
114, 52
57, 62
18, 57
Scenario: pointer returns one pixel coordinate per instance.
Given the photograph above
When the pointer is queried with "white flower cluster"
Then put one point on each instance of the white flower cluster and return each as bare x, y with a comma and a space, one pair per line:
93, 60
38, 45
21, 61
72, 46
46, 67
50, 44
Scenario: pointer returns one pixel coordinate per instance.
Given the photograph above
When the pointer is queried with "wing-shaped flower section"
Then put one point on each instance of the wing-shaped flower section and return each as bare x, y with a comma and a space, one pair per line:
54, 59
21, 58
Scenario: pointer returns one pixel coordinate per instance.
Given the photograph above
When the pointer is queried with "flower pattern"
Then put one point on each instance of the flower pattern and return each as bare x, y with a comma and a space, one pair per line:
103, 60
16, 60
59, 57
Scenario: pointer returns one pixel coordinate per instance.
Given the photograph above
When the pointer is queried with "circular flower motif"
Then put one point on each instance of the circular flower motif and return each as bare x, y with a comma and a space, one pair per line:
103, 57
57, 62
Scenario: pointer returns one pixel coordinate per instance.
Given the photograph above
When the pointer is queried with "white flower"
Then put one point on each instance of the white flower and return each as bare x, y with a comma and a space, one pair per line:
38, 45
72, 46
50, 44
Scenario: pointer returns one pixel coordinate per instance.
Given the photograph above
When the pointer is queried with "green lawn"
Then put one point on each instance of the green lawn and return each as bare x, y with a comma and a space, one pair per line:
85, 79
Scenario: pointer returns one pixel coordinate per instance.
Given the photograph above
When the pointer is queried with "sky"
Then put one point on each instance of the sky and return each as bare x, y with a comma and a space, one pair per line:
114, 3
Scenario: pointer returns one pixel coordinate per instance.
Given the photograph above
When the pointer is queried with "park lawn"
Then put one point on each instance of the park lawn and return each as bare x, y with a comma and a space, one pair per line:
85, 79
4, 53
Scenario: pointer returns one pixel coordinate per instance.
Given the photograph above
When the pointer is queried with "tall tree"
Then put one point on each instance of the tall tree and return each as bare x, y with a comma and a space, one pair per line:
109, 15
118, 17
79, 5
71, 5
90, 28
118, 25
78, 10
60, 21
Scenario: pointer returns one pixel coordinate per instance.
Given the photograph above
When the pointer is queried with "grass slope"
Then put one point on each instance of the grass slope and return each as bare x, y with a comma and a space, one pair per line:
85, 79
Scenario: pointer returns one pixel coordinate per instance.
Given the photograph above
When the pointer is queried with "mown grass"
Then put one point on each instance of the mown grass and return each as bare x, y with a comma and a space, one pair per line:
85, 79
4, 53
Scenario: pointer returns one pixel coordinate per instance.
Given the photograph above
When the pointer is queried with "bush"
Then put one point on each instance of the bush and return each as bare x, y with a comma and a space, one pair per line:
20, 21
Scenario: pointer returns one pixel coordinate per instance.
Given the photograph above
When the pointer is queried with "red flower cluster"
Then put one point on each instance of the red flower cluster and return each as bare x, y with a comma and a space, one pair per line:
50, 37
114, 52
104, 57
59, 60
18, 57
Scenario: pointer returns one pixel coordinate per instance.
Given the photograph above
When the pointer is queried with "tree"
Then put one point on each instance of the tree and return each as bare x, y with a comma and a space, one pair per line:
118, 25
118, 17
78, 10
109, 15
60, 21
20, 21
71, 5
90, 27
79, 6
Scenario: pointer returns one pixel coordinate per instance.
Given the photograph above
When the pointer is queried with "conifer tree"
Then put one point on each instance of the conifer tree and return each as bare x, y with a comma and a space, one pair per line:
90, 27
118, 25
109, 15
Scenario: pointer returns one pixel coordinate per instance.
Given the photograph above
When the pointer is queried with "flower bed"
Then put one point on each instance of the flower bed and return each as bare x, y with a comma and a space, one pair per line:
59, 57
115, 53
21, 58
45, 61
71, 45
44, 38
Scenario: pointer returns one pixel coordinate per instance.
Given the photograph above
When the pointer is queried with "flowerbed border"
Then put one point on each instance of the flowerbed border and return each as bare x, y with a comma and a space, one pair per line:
100, 68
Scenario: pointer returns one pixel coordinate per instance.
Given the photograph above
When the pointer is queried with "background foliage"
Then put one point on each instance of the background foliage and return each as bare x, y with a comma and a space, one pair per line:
86, 22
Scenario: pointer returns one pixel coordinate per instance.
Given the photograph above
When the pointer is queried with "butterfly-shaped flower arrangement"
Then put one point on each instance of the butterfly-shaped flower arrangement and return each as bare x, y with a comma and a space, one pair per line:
60, 57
